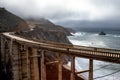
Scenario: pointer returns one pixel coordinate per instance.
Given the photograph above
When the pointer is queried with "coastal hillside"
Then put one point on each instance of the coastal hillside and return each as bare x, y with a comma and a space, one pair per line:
48, 31
10, 22
41, 30
44, 29
47, 25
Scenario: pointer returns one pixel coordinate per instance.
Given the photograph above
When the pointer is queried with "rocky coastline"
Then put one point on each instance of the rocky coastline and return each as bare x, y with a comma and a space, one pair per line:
40, 30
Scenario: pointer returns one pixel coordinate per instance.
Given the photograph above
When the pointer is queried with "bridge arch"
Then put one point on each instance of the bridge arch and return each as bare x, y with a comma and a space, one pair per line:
28, 57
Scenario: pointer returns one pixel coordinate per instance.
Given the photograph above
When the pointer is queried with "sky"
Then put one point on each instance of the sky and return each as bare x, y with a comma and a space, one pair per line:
65, 10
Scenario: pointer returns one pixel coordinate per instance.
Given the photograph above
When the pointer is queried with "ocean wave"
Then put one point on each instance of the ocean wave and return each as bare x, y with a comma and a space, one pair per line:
95, 40
113, 35
93, 34
89, 43
78, 34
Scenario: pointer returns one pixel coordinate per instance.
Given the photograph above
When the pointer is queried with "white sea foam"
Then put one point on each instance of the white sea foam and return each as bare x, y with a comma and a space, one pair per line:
99, 69
83, 43
112, 35
92, 43
78, 34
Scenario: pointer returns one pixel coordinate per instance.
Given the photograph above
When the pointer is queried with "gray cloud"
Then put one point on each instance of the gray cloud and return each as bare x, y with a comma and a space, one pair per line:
105, 25
106, 2
93, 9
112, 5
60, 11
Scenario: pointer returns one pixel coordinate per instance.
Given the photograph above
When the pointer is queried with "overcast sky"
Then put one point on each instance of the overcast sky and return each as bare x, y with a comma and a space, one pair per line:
63, 10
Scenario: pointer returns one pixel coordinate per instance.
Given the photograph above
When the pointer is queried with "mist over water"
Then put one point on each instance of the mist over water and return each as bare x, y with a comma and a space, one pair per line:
102, 70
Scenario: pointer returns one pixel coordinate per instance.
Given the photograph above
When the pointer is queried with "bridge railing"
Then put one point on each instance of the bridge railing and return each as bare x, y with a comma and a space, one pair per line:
91, 53
104, 54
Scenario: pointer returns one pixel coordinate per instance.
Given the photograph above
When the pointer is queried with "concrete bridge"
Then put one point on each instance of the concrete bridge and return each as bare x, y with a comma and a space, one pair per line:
24, 54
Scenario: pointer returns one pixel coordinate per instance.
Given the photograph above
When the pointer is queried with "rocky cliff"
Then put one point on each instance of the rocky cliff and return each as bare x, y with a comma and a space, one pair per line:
41, 29
45, 24
48, 35
47, 31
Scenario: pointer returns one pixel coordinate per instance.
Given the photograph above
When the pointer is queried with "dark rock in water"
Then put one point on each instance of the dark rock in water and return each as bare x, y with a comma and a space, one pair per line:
102, 33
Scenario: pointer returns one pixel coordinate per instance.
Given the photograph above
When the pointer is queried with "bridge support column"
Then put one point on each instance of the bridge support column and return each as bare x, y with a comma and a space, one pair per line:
72, 68
35, 64
6, 51
60, 67
16, 62
90, 69
2, 48
19, 62
10, 44
28, 64
43, 66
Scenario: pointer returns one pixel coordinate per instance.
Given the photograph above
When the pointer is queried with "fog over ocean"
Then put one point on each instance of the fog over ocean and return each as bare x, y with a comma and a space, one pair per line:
102, 70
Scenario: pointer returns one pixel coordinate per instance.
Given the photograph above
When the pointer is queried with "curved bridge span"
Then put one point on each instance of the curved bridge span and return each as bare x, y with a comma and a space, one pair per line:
24, 50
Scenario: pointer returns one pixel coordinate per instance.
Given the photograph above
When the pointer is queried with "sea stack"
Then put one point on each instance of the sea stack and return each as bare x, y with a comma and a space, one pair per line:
102, 33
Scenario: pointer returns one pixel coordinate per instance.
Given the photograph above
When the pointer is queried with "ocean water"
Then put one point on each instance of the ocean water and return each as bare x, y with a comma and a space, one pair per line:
102, 70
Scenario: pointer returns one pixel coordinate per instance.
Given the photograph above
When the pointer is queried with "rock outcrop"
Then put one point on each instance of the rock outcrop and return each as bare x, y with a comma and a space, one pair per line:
49, 26
47, 32
48, 35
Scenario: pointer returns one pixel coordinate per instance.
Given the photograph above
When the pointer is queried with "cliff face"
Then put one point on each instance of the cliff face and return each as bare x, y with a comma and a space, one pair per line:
10, 22
47, 33
41, 30
49, 26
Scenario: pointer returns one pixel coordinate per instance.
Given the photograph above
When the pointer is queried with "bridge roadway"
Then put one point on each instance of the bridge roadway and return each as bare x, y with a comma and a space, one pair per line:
102, 54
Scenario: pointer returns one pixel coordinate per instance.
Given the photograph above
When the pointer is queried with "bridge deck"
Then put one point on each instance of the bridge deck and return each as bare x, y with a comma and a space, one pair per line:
102, 54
